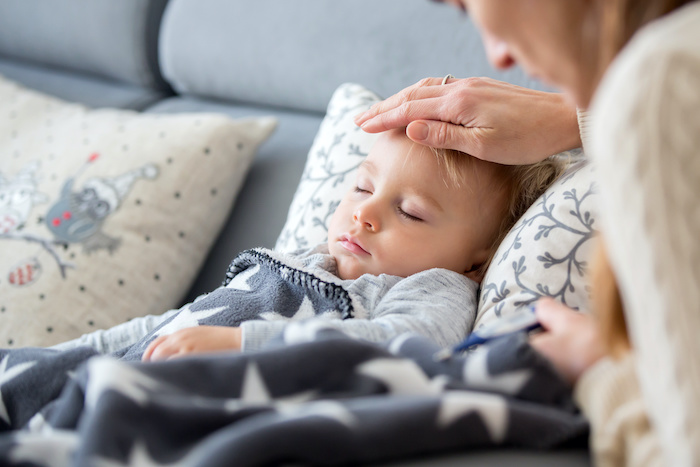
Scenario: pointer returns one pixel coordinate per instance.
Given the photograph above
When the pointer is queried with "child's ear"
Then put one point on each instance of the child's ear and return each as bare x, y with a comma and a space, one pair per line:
477, 271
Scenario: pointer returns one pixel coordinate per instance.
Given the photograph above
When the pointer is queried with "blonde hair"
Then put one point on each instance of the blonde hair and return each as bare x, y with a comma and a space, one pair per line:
521, 185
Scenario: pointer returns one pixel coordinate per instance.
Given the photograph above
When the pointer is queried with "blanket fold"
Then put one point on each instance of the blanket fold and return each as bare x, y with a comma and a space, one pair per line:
325, 401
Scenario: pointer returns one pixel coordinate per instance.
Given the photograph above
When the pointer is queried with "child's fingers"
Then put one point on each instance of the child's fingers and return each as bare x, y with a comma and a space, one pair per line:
147, 355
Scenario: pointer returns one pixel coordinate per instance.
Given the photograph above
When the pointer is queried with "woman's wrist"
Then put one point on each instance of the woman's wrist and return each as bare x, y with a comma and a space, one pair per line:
567, 115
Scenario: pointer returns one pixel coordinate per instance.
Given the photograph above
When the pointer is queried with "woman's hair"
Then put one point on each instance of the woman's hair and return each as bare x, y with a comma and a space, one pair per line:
520, 185
621, 19
607, 304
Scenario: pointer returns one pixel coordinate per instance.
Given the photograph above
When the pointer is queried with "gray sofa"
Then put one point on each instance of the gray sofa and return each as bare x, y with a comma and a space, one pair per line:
248, 58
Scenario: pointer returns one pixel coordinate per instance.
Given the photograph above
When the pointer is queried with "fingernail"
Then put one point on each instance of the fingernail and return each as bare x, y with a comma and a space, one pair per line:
359, 116
420, 131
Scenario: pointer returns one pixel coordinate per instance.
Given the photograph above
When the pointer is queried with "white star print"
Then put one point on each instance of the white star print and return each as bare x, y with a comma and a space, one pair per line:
304, 331
38, 424
476, 374
7, 375
306, 310
327, 409
254, 389
187, 318
42, 450
240, 281
398, 342
140, 456
491, 408
400, 376
107, 373
281, 403
254, 392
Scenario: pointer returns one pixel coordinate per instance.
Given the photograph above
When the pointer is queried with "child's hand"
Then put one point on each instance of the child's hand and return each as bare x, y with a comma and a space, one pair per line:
200, 339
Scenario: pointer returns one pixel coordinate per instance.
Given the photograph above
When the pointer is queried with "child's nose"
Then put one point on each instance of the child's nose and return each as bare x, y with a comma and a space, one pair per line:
365, 217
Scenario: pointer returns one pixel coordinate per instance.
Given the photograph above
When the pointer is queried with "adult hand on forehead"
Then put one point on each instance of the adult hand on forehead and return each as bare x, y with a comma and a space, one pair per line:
489, 119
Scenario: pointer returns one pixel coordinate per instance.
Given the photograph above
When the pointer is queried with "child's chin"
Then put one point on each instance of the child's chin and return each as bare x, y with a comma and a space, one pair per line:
349, 271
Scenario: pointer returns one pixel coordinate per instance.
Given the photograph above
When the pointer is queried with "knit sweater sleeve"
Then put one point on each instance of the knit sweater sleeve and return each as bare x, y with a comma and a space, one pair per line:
645, 142
608, 393
438, 304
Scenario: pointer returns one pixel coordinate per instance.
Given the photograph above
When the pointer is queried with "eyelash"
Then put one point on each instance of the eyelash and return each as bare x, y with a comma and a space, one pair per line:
401, 212
408, 216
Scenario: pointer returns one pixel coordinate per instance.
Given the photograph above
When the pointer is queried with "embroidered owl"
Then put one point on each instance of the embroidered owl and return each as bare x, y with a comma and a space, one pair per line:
78, 216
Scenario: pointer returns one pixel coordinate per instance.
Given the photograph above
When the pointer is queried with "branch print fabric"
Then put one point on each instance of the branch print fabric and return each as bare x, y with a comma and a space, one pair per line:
336, 154
546, 254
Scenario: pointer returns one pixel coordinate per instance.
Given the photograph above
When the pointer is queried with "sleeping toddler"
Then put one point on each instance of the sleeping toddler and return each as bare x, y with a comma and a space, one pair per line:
406, 250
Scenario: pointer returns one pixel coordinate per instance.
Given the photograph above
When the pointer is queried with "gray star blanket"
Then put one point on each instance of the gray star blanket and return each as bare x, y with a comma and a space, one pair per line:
257, 286
313, 396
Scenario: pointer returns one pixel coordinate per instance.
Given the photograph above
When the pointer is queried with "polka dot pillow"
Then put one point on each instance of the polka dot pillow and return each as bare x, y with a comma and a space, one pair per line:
105, 214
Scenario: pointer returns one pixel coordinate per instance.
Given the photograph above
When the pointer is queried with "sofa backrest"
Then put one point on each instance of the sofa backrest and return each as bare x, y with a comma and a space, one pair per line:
116, 39
294, 53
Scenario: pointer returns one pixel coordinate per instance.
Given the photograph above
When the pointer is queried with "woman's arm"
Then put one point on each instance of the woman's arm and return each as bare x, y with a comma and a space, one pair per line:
608, 393
489, 119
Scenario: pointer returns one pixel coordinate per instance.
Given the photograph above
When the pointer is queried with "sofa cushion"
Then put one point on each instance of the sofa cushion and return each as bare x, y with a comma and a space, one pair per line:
545, 253
107, 214
227, 49
117, 40
89, 90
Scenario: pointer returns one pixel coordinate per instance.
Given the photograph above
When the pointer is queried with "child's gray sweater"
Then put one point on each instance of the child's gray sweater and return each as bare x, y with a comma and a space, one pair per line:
437, 303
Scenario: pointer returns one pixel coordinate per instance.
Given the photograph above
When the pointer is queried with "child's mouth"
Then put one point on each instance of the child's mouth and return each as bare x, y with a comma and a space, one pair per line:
352, 245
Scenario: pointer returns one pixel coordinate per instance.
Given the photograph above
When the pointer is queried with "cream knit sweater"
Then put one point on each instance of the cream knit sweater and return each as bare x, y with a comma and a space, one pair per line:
644, 137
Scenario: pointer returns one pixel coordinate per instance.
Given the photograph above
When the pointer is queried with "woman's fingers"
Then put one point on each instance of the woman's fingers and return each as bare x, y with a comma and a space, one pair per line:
553, 315
424, 89
426, 108
486, 118
447, 135
571, 340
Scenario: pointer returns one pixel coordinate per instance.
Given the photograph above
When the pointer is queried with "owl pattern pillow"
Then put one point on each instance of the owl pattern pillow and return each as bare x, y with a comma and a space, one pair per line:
101, 211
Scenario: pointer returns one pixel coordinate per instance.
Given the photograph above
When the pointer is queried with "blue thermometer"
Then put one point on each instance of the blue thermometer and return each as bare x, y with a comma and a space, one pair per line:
523, 319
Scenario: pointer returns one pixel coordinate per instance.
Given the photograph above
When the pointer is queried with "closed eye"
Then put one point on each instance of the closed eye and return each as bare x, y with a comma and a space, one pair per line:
407, 215
361, 190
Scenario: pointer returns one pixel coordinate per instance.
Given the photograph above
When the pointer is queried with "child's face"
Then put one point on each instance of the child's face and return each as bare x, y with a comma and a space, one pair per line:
402, 218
